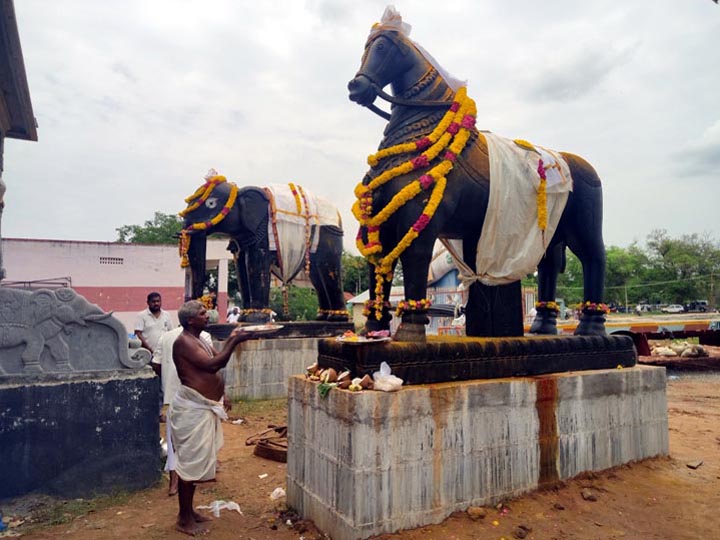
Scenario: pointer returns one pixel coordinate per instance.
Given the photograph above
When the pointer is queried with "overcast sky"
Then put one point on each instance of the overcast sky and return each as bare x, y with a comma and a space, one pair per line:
136, 100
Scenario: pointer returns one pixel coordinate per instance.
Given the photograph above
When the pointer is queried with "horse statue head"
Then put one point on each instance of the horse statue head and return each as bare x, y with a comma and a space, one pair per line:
392, 58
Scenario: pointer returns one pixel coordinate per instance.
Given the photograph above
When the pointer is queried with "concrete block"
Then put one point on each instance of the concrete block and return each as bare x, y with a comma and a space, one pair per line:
363, 464
79, 434
260, 369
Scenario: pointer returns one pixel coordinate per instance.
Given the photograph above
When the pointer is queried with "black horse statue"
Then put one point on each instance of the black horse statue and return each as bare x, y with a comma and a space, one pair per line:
413, 220
249, 217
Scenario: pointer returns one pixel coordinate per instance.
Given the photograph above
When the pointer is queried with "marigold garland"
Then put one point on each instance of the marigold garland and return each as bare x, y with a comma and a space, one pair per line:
205, 190
300, 199
549, 306
333, 312
201, 194
450, 135
249, 311
374, 306
207, 300
412, 305
542, 196
590, 307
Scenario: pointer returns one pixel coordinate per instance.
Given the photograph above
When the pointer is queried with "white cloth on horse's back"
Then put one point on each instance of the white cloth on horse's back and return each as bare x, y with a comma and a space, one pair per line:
291, 224
511, 244
194, 435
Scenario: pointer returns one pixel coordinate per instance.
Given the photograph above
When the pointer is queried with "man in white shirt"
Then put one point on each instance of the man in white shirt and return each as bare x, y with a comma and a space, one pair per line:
152, 322
234, 315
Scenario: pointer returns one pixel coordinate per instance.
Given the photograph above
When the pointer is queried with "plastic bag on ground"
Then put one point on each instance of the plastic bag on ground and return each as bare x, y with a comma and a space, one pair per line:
216, 506
278, 493
385, 381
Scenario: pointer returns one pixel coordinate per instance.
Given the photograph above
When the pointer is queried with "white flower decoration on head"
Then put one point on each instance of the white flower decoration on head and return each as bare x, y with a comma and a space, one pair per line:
391, 18
210, 174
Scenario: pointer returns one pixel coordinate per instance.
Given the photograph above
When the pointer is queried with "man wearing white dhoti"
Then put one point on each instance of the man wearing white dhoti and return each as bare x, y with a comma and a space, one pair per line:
195, 433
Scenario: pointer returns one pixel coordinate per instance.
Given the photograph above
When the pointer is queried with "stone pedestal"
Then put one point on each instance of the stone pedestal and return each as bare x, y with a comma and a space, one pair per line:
79, 434
260, 369
362, 464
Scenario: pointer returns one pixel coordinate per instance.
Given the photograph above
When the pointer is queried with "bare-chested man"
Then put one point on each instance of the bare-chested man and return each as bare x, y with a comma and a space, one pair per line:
195, 412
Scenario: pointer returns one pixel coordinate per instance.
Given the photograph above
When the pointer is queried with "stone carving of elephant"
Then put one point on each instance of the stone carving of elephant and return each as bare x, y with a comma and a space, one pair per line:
255, 221
32, 321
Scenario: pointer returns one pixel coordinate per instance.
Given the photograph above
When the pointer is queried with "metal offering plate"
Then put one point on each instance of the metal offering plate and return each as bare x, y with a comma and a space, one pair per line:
262, 328
361, 340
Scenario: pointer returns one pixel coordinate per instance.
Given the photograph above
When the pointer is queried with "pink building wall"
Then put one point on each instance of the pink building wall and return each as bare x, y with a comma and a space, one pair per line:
115, 276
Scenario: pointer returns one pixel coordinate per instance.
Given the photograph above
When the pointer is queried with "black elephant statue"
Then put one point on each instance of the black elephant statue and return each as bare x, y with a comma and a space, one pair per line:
280, 229
431, 178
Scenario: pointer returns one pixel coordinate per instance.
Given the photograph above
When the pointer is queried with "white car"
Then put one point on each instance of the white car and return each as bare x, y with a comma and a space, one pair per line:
673, 308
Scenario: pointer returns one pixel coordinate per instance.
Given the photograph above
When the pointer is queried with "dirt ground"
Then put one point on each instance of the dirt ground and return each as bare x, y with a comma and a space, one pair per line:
660, 498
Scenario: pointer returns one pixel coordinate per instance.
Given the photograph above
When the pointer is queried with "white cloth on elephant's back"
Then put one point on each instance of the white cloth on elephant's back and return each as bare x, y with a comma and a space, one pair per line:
291, 227
194, 435
511, 244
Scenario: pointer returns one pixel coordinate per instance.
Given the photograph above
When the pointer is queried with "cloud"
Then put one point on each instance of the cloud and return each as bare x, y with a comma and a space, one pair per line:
575, 75
137, 100
701, 156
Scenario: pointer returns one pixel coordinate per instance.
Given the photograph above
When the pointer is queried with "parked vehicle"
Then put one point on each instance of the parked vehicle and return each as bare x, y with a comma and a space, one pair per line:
698, 306
673, 308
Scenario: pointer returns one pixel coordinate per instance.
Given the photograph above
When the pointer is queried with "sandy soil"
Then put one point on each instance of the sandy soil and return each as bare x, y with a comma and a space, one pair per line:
659, 498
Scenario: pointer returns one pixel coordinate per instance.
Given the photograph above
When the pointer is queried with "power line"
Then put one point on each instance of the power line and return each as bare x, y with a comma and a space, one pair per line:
651, 284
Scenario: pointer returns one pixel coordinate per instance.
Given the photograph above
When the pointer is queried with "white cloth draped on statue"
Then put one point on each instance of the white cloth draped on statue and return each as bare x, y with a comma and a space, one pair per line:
194, 435
296, 218
511, 244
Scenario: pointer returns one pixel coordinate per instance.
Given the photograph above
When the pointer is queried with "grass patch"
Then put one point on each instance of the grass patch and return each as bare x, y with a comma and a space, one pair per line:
43, 511
260, 407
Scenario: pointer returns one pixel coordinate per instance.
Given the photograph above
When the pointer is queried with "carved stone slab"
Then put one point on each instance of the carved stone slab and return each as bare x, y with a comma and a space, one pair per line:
56, 331
444, 359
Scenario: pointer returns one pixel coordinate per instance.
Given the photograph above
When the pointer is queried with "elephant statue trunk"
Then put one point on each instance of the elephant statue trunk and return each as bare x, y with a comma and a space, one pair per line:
196, 257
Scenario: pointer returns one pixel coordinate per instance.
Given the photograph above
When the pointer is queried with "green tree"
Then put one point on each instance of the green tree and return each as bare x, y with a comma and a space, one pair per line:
161, 229
302, 303
570, 282
355, 273
684, 268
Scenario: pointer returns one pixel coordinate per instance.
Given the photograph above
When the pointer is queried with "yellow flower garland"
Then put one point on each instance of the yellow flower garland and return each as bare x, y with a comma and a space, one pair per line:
201, 194
452, 133
184, 242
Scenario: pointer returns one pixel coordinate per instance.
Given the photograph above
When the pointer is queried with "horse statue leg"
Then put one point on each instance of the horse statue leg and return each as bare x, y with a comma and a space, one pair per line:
592, 319
415, 264
550, 266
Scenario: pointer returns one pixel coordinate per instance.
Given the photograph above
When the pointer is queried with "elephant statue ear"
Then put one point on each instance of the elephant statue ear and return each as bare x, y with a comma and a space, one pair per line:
253, 208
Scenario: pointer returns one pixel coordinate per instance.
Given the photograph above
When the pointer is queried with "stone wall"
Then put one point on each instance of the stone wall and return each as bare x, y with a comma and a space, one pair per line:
362, 464
262, 368
77, 435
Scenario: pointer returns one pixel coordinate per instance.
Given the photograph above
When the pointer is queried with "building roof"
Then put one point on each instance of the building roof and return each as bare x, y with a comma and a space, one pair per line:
17, 120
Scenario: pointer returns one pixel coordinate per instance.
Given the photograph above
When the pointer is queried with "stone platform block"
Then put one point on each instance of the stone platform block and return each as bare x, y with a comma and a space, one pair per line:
79, 434
260, 369
362, 464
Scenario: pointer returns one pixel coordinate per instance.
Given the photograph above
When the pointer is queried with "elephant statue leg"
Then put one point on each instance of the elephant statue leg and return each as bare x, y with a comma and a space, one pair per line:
326, 276
34, 344
254, 280
550, 266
